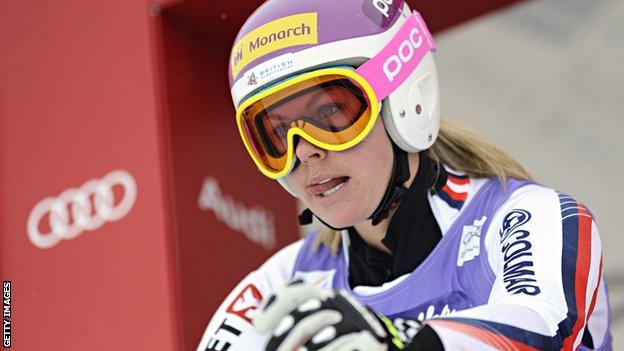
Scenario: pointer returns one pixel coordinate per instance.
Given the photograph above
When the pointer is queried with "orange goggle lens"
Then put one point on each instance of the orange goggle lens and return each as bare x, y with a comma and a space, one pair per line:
330, 111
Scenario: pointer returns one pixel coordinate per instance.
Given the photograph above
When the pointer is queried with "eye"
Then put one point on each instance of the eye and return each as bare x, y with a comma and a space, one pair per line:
327, 110
281, 130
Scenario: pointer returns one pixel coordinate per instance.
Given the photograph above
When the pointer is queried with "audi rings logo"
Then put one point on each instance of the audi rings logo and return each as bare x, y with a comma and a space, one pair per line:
79, 209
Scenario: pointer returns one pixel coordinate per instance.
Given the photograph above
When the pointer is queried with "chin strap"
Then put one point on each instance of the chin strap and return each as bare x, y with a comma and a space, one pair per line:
305, 218
394, 192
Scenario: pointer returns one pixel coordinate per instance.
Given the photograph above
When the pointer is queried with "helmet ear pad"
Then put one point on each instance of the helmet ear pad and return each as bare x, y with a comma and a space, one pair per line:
411, 113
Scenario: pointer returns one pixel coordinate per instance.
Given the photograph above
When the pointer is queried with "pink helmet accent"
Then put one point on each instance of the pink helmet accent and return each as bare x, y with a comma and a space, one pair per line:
394, 63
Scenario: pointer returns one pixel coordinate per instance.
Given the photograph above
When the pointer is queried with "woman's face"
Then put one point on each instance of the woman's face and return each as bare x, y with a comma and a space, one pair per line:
344, 188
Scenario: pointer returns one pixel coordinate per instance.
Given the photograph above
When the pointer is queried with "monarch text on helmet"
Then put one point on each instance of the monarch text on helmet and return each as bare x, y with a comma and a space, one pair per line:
82, 209
300, 29
256, 223
393, 65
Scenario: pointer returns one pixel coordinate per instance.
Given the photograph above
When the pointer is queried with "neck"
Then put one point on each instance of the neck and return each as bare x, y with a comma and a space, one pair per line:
374, 234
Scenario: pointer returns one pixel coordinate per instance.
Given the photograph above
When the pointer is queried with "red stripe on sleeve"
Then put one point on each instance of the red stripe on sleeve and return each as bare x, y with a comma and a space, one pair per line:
595, 295
583, 262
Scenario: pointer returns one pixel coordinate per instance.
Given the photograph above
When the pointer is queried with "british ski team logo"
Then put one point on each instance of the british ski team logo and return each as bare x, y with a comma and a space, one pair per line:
252, 79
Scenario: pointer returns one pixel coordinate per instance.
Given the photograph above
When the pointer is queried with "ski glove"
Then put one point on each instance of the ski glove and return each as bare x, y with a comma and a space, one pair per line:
302, 316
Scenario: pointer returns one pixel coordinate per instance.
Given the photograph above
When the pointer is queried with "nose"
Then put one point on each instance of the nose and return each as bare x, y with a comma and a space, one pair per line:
306, 151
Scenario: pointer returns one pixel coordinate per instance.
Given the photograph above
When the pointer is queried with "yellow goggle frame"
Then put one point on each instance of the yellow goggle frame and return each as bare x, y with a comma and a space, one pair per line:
374, 107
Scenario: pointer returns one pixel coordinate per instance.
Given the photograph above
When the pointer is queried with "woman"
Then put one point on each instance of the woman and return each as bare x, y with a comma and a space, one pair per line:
434, 239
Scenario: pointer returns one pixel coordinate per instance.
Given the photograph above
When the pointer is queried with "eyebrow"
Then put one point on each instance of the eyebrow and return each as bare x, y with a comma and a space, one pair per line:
314, 99
307, 106
278, 118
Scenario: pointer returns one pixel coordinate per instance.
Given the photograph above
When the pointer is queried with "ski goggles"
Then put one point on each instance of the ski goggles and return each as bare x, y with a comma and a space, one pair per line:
332, 108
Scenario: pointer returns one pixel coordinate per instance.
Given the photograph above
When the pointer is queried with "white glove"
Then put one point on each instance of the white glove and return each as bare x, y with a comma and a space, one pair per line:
303, 317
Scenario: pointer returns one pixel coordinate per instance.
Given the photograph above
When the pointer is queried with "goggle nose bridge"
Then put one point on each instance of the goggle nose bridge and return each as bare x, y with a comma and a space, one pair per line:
299, 122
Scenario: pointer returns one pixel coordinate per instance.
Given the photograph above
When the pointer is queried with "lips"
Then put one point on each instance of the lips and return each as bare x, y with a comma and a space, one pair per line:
324, 187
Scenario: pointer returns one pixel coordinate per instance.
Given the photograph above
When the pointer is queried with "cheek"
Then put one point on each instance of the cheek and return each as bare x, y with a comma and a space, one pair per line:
296, 182
371, 165
376, 172
375, 153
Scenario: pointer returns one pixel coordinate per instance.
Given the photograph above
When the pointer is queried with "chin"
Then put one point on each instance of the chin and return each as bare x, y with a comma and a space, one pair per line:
337, 221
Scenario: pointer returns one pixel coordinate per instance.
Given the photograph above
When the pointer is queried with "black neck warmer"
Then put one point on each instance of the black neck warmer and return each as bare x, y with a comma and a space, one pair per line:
412, 233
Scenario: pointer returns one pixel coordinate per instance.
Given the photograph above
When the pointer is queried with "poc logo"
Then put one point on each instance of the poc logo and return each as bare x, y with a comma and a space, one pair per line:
383, 6
393, 65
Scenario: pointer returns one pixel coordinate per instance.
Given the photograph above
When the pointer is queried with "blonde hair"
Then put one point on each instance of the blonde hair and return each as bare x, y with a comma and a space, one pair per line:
461, 148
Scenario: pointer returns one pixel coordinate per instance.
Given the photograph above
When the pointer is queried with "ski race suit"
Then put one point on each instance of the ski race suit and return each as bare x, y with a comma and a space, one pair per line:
515, 269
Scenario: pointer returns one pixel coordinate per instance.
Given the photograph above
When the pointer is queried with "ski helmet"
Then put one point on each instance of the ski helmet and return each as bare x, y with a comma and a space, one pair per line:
374, 54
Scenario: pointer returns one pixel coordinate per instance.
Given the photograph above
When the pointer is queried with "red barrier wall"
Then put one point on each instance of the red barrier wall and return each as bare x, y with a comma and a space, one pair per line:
229, 217
77, 101
128, 207
132, 259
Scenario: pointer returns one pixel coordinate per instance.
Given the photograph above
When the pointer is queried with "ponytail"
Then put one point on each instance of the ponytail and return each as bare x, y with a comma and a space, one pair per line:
464, 150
